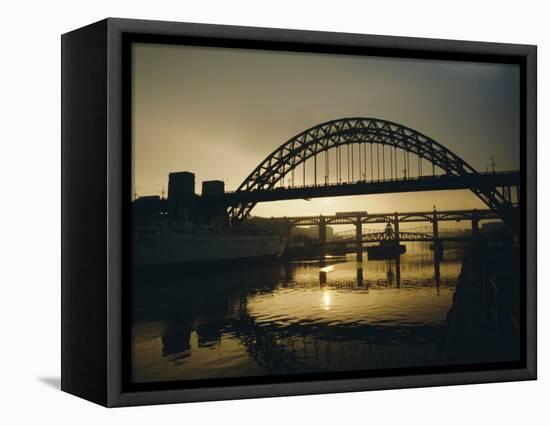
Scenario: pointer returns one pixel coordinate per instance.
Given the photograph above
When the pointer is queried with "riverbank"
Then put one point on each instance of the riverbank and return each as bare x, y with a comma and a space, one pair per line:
483, 322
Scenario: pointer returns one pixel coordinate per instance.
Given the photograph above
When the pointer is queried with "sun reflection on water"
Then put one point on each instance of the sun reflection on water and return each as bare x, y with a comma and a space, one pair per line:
327, 268
326, 299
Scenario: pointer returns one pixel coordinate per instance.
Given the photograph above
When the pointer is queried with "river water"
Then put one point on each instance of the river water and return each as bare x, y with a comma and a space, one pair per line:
291, 317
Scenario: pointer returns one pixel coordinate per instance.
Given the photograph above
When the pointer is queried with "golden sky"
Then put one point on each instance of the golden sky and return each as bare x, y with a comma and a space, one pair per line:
219, 112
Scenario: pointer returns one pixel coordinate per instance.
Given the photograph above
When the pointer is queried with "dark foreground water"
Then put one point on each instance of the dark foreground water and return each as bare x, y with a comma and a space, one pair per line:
291, 317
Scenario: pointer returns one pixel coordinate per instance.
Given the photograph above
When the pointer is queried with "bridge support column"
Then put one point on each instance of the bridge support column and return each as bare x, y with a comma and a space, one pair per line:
396, 227
323, 236
359, 239
359, 277
398, 271
437, 248
322, 277
397, 242
475, 225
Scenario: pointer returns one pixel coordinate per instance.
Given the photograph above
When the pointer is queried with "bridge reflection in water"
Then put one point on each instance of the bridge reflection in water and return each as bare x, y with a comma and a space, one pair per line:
292, 317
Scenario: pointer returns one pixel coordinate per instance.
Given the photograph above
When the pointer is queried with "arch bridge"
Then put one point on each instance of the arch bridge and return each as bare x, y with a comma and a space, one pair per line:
357, 155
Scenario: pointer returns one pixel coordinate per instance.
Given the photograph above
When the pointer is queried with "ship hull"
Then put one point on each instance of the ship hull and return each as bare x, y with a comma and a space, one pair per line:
383, 252
176, 248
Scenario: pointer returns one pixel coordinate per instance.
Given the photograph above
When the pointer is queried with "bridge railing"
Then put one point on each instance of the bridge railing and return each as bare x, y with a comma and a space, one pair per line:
412, 216
427, 178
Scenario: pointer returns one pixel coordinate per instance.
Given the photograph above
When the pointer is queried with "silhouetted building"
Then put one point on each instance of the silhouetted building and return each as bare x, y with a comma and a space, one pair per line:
182, 204
211, 212
146, 210
212, 187
181, 196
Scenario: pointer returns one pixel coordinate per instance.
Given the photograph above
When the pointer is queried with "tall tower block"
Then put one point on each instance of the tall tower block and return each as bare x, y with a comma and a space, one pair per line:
181, 196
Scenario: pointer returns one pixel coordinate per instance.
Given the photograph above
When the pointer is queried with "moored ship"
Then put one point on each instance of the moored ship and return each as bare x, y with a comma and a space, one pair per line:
186, 228
172, 243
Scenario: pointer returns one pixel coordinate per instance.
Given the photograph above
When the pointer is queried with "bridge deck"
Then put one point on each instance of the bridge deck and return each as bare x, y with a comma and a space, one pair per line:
424, 183
405, 217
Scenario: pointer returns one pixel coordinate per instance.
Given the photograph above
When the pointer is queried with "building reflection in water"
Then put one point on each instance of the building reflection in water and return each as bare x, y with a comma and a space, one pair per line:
292, 317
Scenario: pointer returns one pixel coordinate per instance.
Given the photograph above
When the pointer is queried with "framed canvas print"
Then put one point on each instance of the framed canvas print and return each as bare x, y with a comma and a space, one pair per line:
253, 212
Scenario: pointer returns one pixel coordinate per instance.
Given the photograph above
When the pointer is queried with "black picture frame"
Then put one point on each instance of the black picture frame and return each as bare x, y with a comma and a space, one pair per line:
95, 206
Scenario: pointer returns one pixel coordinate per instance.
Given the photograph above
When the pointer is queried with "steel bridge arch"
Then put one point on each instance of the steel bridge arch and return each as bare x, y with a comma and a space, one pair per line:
358, 130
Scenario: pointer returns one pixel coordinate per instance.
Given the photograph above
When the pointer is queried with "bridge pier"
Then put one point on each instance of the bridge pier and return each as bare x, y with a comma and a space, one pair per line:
398, 257
323, 236
437, 248
359, 238
359, 277
396, 227
435, 227
475, 225
398, 271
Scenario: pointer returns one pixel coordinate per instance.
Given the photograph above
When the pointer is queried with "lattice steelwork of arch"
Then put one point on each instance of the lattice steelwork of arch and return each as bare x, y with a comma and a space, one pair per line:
350, 131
